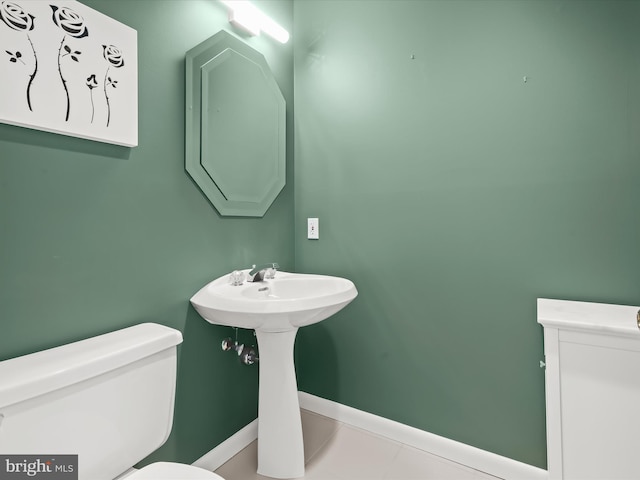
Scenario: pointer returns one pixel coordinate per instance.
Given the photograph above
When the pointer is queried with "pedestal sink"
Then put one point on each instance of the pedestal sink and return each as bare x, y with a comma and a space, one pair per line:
275, 309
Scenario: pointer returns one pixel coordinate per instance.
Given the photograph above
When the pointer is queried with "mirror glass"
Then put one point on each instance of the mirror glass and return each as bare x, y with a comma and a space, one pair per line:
235, 126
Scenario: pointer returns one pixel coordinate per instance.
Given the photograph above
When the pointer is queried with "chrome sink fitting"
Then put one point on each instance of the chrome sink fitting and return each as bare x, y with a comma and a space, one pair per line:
259, 273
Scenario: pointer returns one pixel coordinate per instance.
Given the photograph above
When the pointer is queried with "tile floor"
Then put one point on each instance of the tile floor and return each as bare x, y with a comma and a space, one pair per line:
336, 451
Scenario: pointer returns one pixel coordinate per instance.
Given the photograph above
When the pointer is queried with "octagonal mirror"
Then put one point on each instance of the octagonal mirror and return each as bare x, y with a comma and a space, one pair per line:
235, 126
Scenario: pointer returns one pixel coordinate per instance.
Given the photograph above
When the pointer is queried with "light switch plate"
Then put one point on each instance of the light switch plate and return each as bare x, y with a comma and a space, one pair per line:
313, 229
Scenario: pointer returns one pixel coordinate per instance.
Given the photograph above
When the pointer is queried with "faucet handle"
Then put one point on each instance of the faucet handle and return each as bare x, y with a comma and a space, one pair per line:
236, 278
271, 271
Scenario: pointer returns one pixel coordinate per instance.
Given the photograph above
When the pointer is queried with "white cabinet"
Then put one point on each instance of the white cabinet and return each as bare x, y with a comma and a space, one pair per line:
592, 356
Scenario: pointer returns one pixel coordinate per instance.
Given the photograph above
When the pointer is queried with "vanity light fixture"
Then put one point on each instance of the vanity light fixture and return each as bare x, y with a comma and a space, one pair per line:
245, 15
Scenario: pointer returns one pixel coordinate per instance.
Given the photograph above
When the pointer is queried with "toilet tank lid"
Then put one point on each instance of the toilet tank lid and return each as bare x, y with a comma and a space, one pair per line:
41, 372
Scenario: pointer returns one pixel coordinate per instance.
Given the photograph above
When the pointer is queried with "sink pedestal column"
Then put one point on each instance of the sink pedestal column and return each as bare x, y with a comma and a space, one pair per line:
280, 444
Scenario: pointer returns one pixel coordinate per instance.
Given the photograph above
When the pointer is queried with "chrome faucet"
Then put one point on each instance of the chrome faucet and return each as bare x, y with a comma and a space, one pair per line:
262, 272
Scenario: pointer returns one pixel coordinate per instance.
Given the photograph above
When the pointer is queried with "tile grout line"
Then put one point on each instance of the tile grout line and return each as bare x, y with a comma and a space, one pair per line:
333, 434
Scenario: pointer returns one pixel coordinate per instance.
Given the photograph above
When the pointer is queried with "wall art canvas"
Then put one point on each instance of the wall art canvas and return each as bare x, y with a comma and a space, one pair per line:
68, 69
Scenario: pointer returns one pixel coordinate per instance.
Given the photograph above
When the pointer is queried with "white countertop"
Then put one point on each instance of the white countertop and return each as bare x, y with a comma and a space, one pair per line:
586, 316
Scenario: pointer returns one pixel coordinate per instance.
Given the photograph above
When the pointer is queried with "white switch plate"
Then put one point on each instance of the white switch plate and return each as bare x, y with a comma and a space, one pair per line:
313, 228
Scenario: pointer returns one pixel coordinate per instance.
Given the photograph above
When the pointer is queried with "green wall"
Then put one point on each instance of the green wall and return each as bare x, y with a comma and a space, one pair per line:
454, 194
96, 237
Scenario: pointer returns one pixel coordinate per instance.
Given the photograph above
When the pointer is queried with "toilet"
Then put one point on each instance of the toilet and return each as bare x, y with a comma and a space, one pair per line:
108, 399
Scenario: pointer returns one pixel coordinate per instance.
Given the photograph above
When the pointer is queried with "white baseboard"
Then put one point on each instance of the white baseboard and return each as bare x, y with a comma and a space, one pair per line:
221, 454
478, 459
472, 457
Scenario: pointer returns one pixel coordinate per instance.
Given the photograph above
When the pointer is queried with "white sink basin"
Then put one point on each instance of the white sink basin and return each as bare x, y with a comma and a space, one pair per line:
288, 301
275, 309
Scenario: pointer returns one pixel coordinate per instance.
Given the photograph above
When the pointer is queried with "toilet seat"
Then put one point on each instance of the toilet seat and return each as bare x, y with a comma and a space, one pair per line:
172, 471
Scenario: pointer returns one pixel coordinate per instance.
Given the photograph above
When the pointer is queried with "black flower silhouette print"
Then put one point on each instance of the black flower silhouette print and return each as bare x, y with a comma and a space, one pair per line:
113, 56
92, 83
69, 21
17, 19
72, 25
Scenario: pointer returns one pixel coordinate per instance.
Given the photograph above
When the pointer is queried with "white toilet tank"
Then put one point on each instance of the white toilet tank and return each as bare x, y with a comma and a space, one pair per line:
592, 355
108, 399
